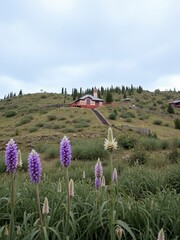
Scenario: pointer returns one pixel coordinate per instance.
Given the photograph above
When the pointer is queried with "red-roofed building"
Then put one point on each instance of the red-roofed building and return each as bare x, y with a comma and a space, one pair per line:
88, 101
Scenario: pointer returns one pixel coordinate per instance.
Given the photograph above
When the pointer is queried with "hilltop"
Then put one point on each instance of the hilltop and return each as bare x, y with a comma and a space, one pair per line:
41, 118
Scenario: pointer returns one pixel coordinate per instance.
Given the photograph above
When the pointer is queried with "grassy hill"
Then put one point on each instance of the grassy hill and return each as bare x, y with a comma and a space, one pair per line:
46, 117
147, 165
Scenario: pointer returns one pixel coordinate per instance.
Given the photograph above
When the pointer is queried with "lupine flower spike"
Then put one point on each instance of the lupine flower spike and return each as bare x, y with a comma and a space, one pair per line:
65, 152
45, 209
114, 175
19, 163
161, 235
110, 144
34, 167
119, 232
84, 174
59, 188
11, 156
103, 184
71, 188
98, 171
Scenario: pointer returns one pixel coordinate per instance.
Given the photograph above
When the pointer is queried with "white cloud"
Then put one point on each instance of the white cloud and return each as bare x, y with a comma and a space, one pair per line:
168, 82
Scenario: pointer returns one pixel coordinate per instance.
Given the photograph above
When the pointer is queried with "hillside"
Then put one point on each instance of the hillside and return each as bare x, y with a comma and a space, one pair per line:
45, 117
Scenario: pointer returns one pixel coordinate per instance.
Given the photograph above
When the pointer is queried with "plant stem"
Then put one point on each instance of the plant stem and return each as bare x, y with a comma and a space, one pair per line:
68, 204
12, 203
39, 209
111, 161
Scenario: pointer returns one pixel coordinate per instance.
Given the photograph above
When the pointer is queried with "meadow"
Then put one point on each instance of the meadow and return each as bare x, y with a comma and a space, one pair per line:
144, 198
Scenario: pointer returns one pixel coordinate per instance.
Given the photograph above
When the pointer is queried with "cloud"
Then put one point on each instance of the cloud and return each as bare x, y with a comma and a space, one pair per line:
168, 82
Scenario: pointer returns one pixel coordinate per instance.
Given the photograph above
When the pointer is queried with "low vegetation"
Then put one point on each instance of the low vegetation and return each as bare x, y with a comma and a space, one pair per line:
144, 199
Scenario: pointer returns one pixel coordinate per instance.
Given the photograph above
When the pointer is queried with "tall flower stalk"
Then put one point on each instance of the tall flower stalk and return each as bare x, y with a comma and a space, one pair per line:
11, 158
35, 172
110, 144
65, 159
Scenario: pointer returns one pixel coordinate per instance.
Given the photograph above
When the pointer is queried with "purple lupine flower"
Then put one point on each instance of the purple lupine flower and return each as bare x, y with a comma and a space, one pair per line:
98, 182
114, 175
11, 156
34, 167
65, 152
98, 170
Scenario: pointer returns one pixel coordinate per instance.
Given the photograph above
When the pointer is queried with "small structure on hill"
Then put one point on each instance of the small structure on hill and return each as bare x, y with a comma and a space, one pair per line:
175, 104
88, 101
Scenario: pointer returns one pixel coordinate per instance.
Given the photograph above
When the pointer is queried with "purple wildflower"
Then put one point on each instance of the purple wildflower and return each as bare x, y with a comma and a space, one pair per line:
11, 156
97, 182
65, 152
98, 169
34, 167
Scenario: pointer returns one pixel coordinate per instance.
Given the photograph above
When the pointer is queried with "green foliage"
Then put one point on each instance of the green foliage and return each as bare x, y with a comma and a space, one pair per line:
126, 141
24, 120
51, 117
170, 109
9, 114
128, 115
51, 152
109, 97
138, 156
177, 123
90, 149
157, 122
112, 116
33, 129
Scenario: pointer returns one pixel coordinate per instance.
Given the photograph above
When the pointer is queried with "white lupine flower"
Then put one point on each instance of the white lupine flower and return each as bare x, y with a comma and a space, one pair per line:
71, 188
161, 235
119, 232
110, 144
45, 209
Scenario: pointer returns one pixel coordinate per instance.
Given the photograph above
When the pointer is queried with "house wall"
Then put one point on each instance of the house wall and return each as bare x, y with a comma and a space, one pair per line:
83, 103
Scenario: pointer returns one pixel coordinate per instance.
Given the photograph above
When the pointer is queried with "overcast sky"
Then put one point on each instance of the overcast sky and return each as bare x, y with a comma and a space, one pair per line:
50, 44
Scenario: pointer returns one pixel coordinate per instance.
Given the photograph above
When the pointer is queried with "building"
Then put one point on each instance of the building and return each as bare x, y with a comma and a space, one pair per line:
88, 101
175, 104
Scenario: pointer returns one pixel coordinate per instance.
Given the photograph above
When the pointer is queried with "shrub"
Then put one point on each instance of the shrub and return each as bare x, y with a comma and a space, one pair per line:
112, 116
128, 115
40, 124
138, 156
177, 123
33, 129
51, 117
157, 122
127, 141
10, 114
81, 125
25, 120
170, 109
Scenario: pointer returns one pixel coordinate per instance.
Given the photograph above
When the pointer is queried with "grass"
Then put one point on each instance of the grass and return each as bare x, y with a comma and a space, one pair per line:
146, 190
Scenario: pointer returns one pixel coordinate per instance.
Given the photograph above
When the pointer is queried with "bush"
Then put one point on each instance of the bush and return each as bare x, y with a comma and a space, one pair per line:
10, 114
126, 141
33, 129
51, 117
25, 120
177, 123
157, 122
170, 109
138, 156
112, 116
128, 115
173, 155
